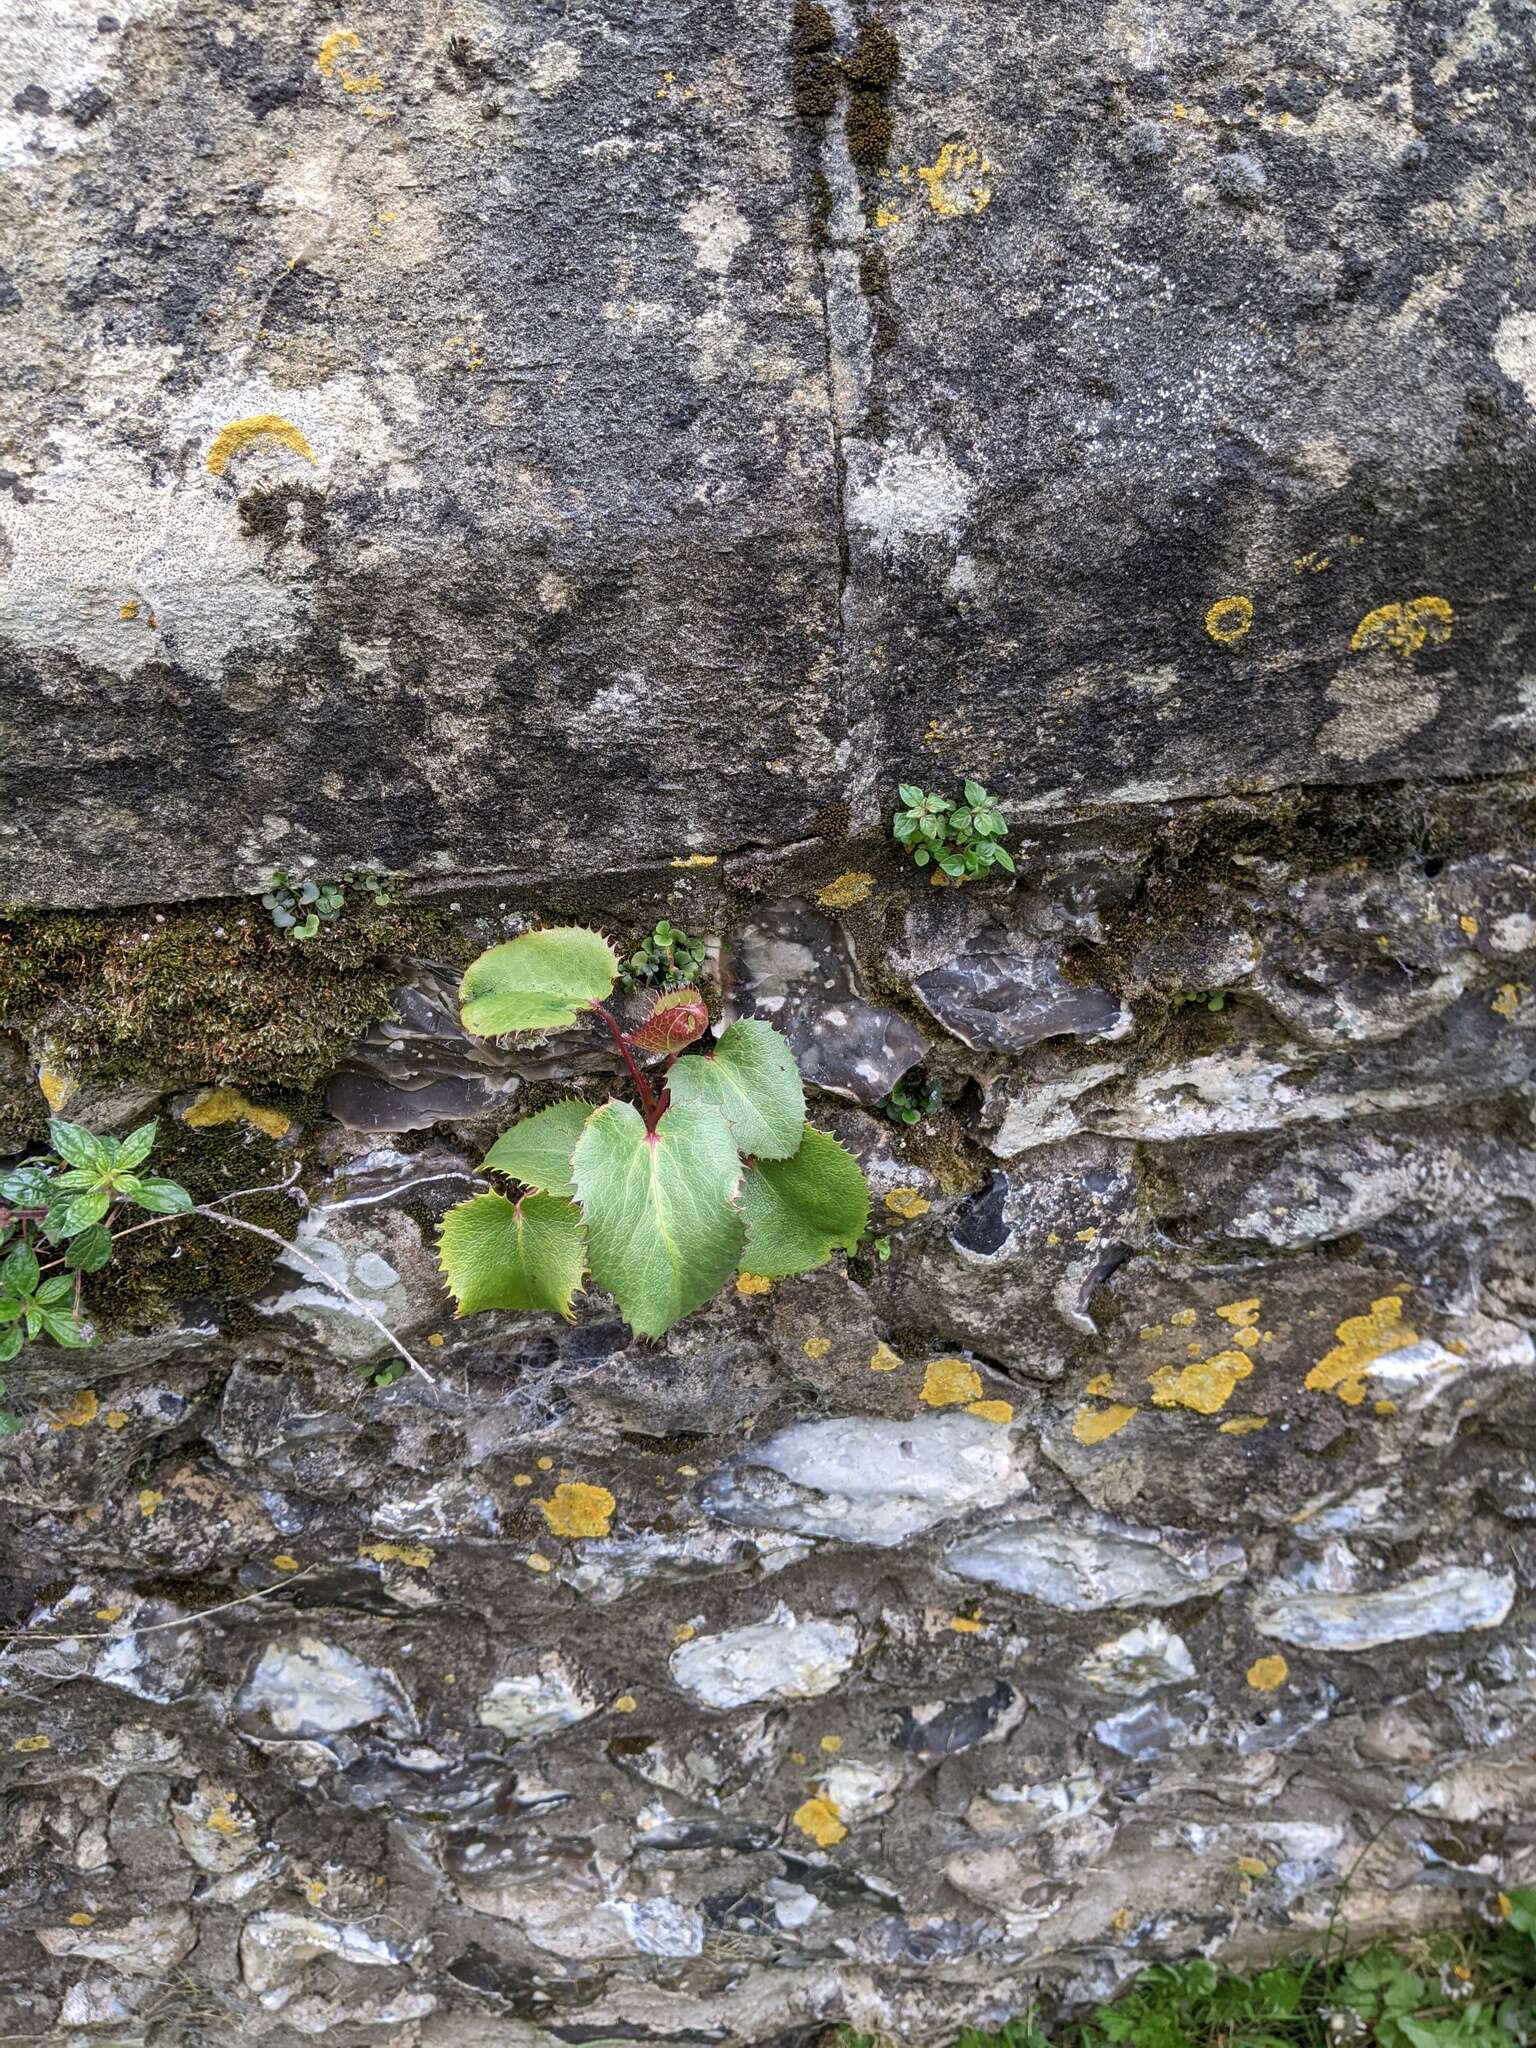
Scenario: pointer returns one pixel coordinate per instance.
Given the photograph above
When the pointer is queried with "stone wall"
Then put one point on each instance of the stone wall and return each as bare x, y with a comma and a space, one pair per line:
578, 459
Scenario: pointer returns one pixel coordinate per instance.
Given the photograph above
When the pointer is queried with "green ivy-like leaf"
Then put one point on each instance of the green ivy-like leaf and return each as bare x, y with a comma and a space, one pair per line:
540, 982
538, 1150
752, 1080
799, 1211
518, 1255
661, 1231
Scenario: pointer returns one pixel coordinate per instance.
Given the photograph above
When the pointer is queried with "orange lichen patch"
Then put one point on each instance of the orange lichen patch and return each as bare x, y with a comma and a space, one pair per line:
1507, 1002
1206, 1386
831, 1744
965, 1625
116, 1418
284, 1563
261, 426
957, 180
1097, 1425
1268, 1674
819, 1819
81, 1410
29, 1745
1243, 1425
884, 1359
215, 1106
1253, 1866
626, 1703
437, 1340
846, 890
129, 610
417, 1555
337, 44
58, 1088
991, 1411
1242, 1315
698, 860
907, 1203
1102, 1384
1469, 925
1402, 629
753, 1283
684, 1632
1228, 619
579, 1510
149, 1500
1361, 1341
949, 1381
816, 1347
537, 1562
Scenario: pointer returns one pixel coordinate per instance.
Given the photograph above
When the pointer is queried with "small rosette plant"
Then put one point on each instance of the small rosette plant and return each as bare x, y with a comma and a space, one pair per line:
963, 840
712, 1169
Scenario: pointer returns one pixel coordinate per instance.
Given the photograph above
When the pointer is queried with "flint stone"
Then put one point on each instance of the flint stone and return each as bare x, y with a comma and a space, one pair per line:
1443, 1602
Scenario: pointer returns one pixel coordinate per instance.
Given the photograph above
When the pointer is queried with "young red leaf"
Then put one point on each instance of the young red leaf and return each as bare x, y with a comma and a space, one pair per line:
677, 1018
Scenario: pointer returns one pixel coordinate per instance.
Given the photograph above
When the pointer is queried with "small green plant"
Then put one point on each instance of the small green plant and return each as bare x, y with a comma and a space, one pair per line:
963, 839
913, 1098
68, 1199
712, 1169
667, 959
300, 907
1202, 998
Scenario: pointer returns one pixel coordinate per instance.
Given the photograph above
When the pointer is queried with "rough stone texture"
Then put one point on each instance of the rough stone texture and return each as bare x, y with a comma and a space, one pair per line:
665, 476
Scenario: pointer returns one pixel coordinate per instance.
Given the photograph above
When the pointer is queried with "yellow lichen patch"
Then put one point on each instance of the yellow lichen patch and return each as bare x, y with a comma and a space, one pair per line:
108, 1613
991, 1411
957, 180
128, 611
1242, 1315
1102, 1384
1147, 1332
884, 1359
1313, 563
626, 1703
1268, 1674
221, 1821
29, 1745
1229, 619
215, 1106
1253, 1866
261, 426
1469, 925
417, 1555
831, 1744
885, 218
437, 1340
1507, 1002
116, 1418
819, 1819
907, 1203
81, 1410
816, 1347
965, 1625
81, 1919
545, 1464
698, 860
846, 890
1097, 1425
684, 1632
1402, 629
57, 1088
284, 1563
579, 1510
949, 1381
753, 1283
336, 45
149, 1500
1206, 1386
1361, 1341
537, 1562
1243, 1425
1384, 1407
1182, 1319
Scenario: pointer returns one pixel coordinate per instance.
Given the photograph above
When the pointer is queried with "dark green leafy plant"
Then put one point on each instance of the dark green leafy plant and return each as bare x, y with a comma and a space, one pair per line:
963, 839
712, 1169
69, 1199
1215, 999
299, 907
913, 1098
667, 959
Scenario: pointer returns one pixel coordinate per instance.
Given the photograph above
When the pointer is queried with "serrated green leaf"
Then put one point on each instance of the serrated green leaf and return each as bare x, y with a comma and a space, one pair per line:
162, 1198
63, 1329
77, 1146
84, 1209
19, 1273
55, 1290
538, 1150
136, 1147
10, 1345
800, 1210
975, 794
516, 1255
90, 1251
540, 982
661, 1232
752, 1080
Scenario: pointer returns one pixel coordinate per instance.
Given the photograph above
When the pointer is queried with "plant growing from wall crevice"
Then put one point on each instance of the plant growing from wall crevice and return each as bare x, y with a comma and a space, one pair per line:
963, 840
712, 1169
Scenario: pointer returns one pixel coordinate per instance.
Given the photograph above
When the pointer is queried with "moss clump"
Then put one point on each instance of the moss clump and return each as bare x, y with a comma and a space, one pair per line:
876, 62
812, 28
813, 70
204, 993
869, 128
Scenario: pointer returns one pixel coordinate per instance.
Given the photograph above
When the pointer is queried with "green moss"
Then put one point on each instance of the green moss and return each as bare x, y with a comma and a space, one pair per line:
812, 28
876, 62
203, 993
869, 128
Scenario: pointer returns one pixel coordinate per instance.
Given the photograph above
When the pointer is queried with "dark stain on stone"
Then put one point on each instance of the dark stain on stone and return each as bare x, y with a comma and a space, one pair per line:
265, 511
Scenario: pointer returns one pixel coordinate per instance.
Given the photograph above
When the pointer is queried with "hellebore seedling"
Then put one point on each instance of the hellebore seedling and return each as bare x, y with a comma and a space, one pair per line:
711, 1170
300, 907
667, 959
913, 1098
963, 840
